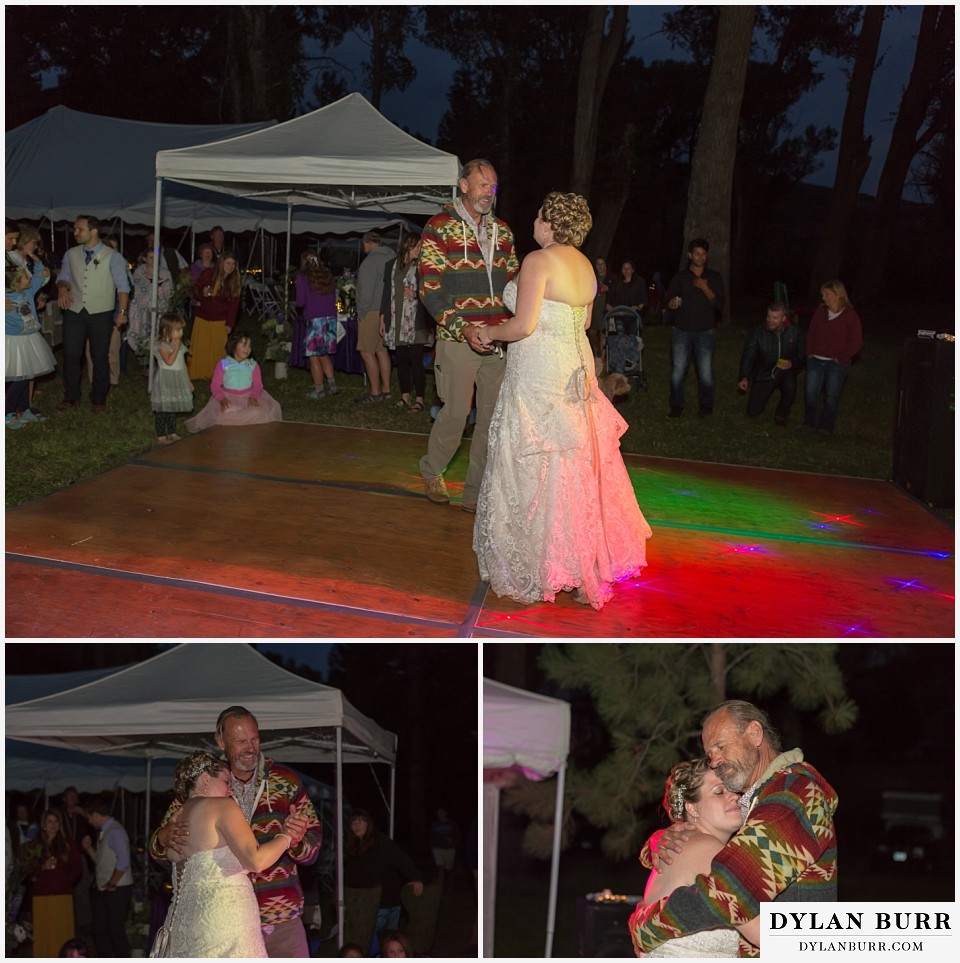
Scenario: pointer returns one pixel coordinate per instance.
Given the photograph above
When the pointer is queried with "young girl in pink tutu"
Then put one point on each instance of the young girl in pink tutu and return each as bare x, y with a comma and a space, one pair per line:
237, 391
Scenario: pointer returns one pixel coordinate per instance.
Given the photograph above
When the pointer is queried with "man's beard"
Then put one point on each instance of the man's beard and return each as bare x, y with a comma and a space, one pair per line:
734, 776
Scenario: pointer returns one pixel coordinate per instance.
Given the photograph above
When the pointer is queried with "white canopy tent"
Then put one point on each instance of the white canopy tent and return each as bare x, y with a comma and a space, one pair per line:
346, 155
38, 185
168, 706
531, 732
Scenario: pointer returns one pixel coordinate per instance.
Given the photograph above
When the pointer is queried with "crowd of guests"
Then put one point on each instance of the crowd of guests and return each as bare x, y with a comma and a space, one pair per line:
69, 878
108, 323
775, 353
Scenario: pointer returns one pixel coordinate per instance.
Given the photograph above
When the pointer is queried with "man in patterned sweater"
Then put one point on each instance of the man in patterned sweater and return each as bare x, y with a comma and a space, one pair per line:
787, 848
466, 259
273, 800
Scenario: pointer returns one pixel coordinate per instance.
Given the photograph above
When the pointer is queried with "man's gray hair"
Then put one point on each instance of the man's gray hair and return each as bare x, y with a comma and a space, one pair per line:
472, 166
743, 713
233, 712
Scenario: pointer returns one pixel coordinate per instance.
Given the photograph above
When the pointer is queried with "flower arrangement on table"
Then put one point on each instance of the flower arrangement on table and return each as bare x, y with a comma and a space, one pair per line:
279, 334
347, 293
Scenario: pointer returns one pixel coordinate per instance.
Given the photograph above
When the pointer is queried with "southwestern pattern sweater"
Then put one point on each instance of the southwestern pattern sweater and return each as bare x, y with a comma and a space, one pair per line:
455, 286
787, 849
278, 889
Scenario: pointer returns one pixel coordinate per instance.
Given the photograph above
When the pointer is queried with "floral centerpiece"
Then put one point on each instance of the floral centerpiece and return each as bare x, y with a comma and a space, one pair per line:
279, 334
347, 293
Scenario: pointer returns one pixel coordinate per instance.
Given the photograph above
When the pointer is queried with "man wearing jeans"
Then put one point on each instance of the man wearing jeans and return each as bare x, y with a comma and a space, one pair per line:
467, 257
92, 281
694, 295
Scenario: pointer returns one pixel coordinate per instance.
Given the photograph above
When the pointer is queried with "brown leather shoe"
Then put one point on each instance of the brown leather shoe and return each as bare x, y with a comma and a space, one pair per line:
436, 490
99, 408
66, 405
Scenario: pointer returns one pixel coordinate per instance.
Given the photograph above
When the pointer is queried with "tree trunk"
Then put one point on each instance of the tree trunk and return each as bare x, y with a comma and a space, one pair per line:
599, 54
513, 20
376, 57
933, 47
606, 217
854, 157
718, 669
254, 47
231, 98
710, 193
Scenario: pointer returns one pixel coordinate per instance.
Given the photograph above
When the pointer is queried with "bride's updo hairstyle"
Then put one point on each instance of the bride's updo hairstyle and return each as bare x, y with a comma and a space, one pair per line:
190, 769
569, 216
683, 786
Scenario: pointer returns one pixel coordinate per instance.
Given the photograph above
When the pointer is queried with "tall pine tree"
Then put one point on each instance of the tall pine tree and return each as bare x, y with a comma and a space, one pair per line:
651, 699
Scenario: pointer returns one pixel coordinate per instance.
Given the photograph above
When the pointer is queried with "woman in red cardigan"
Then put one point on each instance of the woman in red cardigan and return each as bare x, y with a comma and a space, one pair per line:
53, 863
835, 336
218, 291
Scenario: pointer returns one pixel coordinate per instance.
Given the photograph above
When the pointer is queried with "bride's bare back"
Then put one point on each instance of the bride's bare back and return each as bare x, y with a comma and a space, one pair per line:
201, 814
570, 278
216, 821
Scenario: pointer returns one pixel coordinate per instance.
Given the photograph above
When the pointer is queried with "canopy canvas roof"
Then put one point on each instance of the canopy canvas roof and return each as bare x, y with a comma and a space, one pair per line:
169, 705
345, 155
524, 729
117, 168
531, 732
40, 185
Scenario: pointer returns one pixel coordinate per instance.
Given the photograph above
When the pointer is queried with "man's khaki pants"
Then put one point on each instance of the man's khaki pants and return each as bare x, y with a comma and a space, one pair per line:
458, 368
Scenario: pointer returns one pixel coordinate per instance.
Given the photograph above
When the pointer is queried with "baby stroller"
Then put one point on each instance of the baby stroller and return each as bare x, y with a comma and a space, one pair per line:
624, 344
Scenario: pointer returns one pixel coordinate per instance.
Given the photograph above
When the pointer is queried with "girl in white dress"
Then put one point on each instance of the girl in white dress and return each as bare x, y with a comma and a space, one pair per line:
214, 911
172, 390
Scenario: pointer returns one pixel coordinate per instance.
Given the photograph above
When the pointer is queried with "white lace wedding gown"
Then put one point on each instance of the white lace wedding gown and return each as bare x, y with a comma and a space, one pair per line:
214, 912
707, 944
556, 509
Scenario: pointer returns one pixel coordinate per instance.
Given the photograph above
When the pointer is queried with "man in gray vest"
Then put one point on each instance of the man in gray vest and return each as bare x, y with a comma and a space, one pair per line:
92, 281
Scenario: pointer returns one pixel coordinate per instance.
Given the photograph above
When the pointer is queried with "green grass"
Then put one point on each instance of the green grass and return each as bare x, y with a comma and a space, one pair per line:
78, 444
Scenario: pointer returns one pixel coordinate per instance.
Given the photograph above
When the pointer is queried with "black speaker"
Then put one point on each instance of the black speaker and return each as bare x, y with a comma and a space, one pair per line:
923, 443
602, 925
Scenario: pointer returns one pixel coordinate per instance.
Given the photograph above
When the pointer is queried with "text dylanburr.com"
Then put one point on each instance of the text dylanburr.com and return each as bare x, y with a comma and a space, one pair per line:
798, 931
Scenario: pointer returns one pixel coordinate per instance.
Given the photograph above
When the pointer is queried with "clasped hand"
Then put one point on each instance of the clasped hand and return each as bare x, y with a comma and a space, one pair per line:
666, 840
478, 337
295, 826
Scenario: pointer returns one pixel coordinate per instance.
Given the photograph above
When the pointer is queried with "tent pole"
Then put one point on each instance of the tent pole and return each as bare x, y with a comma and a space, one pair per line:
491, 834
155, 293
555, 861
393, 795
286, 266
339, 841
146, 823
263, 278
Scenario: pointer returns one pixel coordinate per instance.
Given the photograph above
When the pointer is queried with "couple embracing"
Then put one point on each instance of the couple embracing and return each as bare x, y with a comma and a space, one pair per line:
234, 818
751, 823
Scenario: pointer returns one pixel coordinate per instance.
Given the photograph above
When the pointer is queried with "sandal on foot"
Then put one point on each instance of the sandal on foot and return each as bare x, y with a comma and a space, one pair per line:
417, 406
367, 400
402, 403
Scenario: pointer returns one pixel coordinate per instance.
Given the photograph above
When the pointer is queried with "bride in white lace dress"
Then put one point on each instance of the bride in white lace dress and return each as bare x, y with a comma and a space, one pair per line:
214, 911
557, 511
695, 795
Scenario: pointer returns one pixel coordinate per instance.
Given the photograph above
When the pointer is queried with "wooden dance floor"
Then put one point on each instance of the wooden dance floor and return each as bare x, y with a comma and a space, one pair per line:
291, 530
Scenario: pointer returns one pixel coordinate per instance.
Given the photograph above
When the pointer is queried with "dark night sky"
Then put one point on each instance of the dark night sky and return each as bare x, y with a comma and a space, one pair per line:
420, 108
